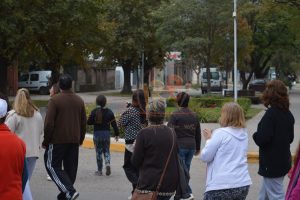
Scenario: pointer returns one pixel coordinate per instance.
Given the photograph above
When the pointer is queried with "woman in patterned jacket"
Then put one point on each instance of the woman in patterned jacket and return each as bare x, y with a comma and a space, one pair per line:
132, 121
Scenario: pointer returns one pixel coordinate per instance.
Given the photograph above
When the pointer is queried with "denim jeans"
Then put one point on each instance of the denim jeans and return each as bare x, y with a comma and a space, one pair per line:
187, 155
31, 161
102, 144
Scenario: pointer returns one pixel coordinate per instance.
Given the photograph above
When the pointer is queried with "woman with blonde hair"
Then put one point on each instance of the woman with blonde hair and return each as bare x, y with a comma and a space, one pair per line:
225, 153
26, 121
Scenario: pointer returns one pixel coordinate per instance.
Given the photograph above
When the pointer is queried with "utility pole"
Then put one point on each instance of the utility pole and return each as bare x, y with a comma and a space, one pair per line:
235, 49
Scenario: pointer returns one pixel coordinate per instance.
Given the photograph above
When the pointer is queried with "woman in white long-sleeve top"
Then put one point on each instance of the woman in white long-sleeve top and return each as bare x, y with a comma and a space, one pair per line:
26, 121
225, 153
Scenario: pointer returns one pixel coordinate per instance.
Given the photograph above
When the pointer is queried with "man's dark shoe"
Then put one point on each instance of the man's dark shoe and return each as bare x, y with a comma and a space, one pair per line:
61, 196
108, 172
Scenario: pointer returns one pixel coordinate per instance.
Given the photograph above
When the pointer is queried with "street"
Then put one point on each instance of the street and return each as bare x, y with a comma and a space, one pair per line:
116, 186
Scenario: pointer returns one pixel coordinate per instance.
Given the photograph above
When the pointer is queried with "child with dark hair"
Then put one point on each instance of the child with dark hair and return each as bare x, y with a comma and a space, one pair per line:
102, 118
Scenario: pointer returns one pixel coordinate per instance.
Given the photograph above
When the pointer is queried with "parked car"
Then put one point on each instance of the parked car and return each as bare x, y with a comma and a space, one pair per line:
258, 85
35, 81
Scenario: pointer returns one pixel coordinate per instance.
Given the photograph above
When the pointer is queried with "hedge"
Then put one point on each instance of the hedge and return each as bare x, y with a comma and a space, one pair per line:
211, 102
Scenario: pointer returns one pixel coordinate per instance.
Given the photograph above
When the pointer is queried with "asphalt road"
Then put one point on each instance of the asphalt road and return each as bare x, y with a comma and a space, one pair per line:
116, 186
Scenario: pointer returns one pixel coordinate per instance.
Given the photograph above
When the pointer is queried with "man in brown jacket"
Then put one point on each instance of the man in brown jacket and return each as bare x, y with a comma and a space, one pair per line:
64, 131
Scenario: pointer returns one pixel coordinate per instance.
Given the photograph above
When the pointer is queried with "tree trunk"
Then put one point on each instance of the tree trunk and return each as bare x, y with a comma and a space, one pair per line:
54, 67
245, 80
3, 75
127, 84
208, 77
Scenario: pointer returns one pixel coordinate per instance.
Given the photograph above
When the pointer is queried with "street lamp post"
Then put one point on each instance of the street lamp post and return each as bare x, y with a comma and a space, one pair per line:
235, 49
227, 58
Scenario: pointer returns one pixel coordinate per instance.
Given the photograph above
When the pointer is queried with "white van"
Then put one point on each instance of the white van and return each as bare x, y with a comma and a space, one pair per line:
216, 80
35, 81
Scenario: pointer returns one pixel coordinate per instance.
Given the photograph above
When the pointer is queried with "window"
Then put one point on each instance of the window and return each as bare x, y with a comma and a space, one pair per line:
24, 77
213, 75
34, 77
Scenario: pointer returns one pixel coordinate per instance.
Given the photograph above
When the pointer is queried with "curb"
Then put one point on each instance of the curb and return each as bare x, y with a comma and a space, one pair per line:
120, 147
116, 147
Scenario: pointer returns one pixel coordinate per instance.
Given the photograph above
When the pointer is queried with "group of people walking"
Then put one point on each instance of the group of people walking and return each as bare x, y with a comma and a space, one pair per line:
158, 155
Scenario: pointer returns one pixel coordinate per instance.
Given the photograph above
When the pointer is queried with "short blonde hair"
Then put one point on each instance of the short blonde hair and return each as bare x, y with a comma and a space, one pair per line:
23, 104
232, 115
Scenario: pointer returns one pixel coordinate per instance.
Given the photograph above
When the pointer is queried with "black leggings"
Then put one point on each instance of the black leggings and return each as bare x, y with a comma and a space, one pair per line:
131, 172
227, 194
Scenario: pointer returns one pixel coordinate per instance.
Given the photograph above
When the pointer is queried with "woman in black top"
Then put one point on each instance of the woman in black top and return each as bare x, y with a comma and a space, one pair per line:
132, 121
102, 118
151, 150
275, 133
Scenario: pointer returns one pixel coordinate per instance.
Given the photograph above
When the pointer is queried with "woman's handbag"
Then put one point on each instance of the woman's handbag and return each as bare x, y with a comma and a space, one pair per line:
144, 196
153, 195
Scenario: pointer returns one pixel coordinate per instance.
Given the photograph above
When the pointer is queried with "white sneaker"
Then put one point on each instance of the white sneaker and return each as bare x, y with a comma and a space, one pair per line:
49, 178
191, 197
130, 197
75, 196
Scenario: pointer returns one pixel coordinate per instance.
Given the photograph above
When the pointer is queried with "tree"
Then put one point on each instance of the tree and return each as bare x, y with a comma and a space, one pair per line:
295, 3
132, 35
197, 29
270, 32
51, 33
65, 31
13, 37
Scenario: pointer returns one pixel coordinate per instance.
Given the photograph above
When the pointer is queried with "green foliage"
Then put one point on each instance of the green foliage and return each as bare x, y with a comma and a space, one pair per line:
209, 102
171, 102
132, 35
169, 111
40, 103
271, 33
212, 115
252, 112
208, 109
50, 34
197, 29
245, 103
208, 115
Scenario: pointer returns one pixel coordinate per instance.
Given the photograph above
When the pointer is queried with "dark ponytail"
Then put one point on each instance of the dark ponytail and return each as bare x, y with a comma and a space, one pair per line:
101, 102
139, 101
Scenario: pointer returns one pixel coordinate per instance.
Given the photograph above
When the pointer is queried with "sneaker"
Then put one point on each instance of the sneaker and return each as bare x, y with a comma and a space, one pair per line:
130, 197
108, 172
98, 173
75, 196
49, 178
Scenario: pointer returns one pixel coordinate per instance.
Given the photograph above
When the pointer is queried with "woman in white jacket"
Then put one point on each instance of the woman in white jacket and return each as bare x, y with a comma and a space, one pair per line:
26, 121
225, 153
